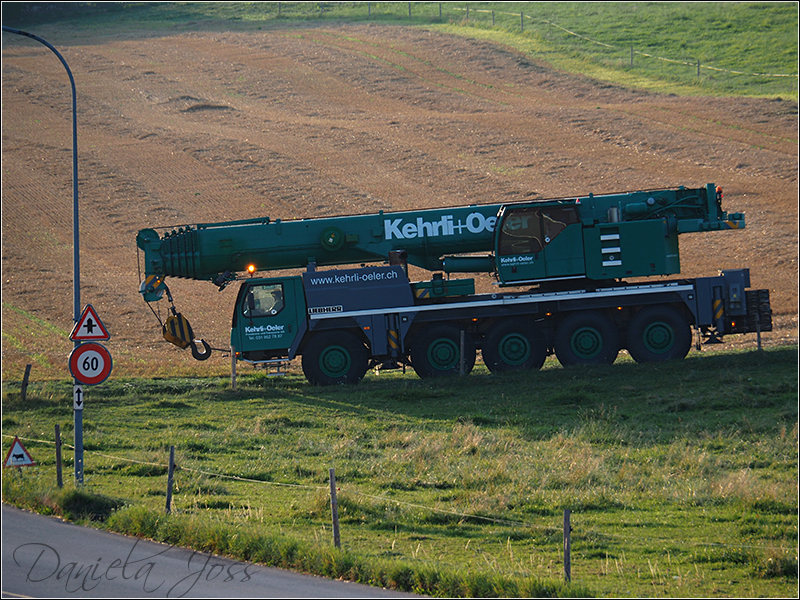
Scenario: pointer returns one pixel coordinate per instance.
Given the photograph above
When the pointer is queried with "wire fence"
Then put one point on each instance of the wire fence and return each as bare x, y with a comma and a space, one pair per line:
447, 10
628, 539
662, 58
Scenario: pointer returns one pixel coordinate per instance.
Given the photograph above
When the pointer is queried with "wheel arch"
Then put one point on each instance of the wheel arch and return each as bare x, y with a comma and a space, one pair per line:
349, 325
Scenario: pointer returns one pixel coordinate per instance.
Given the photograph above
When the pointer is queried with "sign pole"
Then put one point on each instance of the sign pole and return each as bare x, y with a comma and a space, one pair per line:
76, 289
78, 422
90, 364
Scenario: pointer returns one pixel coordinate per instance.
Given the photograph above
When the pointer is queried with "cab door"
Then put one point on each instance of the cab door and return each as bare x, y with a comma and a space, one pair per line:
267, 317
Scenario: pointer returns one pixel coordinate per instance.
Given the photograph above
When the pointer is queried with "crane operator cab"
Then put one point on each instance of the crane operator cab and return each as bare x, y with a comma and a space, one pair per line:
539, 241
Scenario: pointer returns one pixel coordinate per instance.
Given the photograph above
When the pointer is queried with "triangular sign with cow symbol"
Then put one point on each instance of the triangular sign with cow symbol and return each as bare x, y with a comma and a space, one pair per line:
18, 456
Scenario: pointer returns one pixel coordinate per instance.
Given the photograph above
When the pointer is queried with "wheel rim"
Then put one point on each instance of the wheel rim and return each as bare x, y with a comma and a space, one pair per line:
335, 361
659, 337
443, 354
587, 343
514, 349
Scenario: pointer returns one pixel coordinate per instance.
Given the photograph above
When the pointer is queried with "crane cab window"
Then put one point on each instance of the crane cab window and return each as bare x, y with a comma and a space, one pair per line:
263, 300
528, 230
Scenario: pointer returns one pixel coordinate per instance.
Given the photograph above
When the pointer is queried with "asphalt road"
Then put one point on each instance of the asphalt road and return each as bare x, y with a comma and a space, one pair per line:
47, 557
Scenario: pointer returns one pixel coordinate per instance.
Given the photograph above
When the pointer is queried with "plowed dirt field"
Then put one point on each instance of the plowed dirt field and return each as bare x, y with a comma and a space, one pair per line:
210, 125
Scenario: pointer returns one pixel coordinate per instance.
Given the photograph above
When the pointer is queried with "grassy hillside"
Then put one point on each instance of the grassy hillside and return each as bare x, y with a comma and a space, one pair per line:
681, 477
743, 48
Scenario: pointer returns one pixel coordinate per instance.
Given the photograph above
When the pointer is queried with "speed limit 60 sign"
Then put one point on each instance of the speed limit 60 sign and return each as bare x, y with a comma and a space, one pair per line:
90, 363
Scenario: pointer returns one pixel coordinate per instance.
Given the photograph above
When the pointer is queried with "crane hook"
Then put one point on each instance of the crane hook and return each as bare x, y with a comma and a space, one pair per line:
200, 355
176, 330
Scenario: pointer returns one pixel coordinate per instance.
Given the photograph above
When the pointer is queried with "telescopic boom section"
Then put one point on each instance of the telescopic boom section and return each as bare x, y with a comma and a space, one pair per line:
207, 251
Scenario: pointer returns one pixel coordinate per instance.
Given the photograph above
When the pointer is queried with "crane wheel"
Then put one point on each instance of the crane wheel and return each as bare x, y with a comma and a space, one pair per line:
333, 357
436, 352
514, 346
587, 338
658, 333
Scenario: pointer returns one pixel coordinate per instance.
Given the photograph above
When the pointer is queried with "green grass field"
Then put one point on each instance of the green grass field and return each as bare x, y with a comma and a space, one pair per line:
743, 48
681, 478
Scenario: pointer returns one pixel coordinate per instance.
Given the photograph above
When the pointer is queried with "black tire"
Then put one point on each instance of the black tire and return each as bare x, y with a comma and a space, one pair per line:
436, 352
658, 333
333, 357
513, 346
587, 338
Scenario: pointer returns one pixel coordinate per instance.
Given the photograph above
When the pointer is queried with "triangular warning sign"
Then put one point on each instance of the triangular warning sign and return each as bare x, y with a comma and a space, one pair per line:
89, 327
18, 456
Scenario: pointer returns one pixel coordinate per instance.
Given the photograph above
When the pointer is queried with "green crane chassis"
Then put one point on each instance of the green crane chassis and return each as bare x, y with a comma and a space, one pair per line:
343, 322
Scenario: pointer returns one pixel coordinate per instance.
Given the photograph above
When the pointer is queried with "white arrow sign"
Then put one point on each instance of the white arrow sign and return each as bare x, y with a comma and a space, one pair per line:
77, 397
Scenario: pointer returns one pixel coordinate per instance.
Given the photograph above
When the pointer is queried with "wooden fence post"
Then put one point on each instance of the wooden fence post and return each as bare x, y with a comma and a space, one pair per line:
462, 363
567, 546
334, 511
758, 332
25, 382
170, 474
59, 479
233, 368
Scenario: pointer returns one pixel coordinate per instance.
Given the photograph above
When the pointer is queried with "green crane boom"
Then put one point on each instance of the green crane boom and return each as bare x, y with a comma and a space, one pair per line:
595, 237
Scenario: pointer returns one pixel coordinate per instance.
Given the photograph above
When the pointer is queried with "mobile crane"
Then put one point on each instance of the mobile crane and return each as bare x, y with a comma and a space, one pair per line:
561, 267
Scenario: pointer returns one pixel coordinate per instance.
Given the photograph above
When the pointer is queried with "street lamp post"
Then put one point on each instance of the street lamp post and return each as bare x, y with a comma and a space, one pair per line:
76, 288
